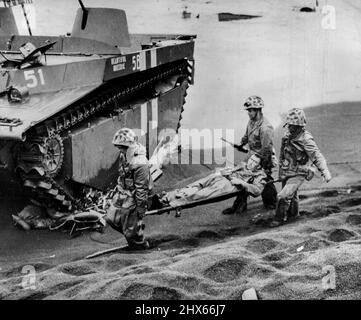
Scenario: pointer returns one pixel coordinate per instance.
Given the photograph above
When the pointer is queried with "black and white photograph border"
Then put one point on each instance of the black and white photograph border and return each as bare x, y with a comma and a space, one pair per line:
202, 150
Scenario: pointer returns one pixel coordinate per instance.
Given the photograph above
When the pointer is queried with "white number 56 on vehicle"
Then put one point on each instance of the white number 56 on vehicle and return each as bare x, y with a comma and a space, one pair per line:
34, 77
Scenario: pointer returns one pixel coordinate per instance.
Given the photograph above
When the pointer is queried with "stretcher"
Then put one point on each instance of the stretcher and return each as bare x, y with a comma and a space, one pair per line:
178, 210
192, 204
196, 203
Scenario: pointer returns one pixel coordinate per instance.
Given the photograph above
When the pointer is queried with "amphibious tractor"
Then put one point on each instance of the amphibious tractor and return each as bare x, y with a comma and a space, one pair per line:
63, 98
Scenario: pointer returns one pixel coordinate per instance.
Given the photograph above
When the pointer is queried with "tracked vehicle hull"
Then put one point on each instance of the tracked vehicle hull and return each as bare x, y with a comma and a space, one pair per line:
56, 136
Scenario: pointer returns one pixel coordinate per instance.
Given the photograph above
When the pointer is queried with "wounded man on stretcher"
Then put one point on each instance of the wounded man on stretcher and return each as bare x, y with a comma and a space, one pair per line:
248, 177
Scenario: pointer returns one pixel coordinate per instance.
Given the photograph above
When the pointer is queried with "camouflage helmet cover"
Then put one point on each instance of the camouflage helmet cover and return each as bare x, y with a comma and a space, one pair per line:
124, 137
296, 117
254, 102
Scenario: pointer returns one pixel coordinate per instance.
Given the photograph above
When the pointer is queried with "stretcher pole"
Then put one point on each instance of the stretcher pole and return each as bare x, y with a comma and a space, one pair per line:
100, 253
195, 203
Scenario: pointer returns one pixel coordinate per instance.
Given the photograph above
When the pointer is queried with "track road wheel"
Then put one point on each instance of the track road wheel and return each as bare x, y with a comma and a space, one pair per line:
53, 154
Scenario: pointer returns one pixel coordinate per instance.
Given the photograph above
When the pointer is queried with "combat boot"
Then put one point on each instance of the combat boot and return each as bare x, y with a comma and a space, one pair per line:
237, 210
293, 210
228, 211
138, 246
281, 213
239, 205
241, 208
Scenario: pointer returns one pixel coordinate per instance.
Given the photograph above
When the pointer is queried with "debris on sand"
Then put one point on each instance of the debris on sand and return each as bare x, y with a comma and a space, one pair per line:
249, 294
20, 222
99, 253
307, 9
226, 16
32, 217
38, 217
185, 13
80, 221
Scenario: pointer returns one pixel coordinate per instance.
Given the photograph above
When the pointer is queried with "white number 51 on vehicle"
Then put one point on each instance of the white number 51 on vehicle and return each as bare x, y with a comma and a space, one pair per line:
33, 78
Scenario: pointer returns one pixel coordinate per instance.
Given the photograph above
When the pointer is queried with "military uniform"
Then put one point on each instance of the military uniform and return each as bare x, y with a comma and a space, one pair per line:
130, 202
255, 179
299, 156
259, 137
254, 186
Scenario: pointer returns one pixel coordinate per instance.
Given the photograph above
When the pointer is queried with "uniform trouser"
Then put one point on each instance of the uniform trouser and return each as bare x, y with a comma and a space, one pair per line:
126, 221
241, 201
269, 193
288, 202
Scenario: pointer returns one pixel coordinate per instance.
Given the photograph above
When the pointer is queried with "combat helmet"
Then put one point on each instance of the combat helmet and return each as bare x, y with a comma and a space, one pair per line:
124, 137
296, 116
254, 102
